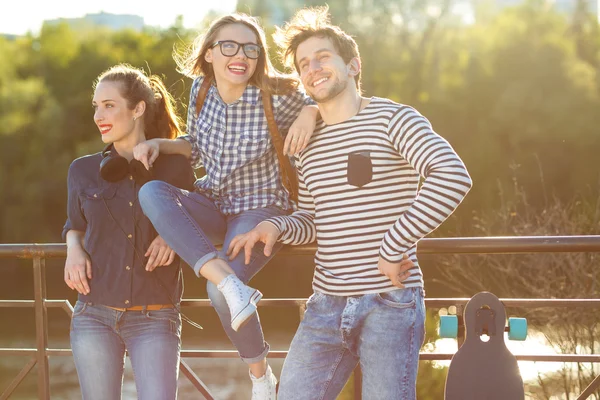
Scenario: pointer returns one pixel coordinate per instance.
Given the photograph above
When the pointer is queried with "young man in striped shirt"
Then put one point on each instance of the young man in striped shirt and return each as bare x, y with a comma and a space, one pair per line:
359, 198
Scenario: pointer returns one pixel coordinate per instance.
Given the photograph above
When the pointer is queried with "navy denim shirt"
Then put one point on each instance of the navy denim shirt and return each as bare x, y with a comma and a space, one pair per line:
110, 215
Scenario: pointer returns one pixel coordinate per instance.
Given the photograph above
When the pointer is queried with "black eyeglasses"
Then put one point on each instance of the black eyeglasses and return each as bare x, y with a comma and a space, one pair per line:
230, 48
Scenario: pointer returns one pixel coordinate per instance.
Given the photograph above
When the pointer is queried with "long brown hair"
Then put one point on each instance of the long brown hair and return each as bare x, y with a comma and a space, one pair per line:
191, 62
160, 117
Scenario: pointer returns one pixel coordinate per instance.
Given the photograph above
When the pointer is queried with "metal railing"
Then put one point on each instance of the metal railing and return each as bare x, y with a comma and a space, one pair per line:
487, 245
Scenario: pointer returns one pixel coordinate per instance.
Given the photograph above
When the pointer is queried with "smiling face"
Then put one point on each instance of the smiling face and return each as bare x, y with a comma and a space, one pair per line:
111, 113
238, 69
323, 72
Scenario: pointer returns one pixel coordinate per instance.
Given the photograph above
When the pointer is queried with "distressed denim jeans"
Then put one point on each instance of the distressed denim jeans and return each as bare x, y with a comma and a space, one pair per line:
381, 331
192, 225
99, 338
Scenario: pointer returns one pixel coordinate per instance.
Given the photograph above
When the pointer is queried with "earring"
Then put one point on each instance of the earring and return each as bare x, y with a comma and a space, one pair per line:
134, 118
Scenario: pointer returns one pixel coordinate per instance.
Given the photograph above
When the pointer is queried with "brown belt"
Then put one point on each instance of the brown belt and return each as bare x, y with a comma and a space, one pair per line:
149, 307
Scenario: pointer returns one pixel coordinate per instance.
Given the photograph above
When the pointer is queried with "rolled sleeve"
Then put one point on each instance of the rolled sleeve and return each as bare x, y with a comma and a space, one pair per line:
289, 106
75, 217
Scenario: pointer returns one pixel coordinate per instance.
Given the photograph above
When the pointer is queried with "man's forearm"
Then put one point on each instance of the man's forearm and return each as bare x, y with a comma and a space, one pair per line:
295, 229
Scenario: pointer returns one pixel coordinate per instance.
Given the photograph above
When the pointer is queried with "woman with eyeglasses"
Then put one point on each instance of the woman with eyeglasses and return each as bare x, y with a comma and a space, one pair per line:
228, 134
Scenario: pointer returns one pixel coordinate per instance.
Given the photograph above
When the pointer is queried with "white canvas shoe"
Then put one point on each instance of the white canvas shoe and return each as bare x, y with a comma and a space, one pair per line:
241, 299
264, 388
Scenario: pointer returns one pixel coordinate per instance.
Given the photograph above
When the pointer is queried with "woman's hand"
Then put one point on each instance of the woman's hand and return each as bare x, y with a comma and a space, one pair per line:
78, 269
147, 152
301, 131
159, 253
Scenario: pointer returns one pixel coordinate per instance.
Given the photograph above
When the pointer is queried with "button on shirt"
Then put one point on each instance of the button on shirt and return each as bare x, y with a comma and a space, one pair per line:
117, 233
233, 143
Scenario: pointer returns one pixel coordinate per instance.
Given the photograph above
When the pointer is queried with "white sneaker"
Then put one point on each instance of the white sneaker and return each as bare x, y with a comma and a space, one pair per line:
264, 388
240, 298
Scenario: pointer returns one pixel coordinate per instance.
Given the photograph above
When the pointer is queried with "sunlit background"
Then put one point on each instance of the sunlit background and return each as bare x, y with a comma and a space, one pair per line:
514, 85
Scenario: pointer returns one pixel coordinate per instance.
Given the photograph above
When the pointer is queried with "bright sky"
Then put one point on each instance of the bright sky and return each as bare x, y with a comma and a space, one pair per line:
22, 16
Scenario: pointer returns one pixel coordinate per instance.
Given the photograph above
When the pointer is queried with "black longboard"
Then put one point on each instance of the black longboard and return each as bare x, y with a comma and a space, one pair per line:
484, 370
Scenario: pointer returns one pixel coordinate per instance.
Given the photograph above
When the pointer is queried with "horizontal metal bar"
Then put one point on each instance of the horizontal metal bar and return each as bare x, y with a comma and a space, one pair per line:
525, 303
31, 303
593, 358
462, 245
433, 302
298, 302
422, 356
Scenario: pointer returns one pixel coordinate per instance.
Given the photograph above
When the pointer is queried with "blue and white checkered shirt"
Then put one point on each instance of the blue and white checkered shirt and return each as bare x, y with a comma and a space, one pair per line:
233, 144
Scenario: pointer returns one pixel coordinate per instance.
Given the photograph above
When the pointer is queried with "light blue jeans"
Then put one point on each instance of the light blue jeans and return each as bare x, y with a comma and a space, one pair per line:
383, 331
192, 225
99, 337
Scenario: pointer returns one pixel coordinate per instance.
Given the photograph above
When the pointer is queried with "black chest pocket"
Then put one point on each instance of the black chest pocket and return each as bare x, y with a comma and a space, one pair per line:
360, 168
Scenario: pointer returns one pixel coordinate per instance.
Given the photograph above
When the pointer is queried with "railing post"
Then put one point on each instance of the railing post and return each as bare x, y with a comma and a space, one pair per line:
41, 327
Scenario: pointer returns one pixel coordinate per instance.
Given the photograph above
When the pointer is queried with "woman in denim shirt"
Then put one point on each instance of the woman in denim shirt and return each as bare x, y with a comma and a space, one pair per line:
230, 138
125, 302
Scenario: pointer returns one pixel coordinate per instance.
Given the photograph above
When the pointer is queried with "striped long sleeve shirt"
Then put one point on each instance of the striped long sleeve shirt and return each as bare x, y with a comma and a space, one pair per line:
361, 196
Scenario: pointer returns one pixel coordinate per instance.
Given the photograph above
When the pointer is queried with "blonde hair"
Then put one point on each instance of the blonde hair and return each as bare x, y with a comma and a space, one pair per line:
191, 62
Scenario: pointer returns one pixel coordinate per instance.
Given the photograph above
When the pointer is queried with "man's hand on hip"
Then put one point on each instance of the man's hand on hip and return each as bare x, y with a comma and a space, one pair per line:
397, 272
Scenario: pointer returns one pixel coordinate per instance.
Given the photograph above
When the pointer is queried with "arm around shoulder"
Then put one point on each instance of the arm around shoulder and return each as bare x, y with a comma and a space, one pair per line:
176, 170
147, 152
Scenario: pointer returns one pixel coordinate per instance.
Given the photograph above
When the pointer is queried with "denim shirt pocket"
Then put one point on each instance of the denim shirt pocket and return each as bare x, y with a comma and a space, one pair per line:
399, 298
94, 205
99, 193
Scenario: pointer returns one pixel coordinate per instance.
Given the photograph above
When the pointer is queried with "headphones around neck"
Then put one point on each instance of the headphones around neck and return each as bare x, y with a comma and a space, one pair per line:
113, 167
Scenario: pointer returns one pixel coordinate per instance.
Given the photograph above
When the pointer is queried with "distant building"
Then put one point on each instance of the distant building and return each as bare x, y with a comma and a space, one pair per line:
8, 36
569, 6
563, 6
112, 21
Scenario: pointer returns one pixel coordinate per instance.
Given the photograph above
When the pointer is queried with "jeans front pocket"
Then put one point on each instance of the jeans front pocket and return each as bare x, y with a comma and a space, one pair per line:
399, 298
360, 169
314, 298
79, 309
166, 314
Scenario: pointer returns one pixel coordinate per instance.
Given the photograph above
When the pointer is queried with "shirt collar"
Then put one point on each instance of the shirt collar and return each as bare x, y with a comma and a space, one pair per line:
251, 94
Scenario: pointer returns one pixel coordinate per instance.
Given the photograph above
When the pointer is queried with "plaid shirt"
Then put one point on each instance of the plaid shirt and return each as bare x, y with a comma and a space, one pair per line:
233, 144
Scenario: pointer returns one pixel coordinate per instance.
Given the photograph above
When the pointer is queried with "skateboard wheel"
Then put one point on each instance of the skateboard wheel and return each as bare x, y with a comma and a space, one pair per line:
448, 326
517, 328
